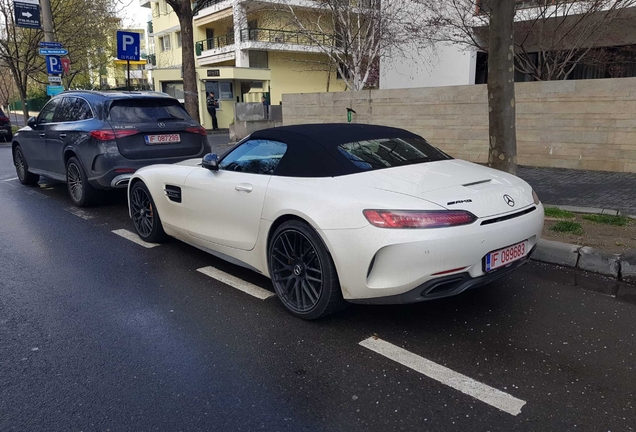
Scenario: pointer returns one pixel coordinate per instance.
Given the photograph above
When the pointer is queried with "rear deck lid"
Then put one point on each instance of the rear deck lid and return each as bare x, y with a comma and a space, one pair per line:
154, 128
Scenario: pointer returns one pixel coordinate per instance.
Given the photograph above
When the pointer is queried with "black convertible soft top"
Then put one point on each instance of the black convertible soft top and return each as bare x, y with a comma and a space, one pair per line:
312, 149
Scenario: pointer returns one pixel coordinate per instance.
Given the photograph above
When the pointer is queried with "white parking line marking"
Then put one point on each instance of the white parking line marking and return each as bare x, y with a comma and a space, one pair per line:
237, 283
464, 384
11, 179
79, 213
134, 238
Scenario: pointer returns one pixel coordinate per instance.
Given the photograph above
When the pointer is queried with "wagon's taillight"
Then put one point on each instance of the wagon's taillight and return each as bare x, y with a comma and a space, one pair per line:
109, 135
197, 130
418, 218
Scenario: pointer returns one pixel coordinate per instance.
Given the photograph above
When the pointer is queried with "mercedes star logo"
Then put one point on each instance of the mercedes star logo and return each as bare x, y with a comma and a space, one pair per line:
508, 199
161, 125
297, 270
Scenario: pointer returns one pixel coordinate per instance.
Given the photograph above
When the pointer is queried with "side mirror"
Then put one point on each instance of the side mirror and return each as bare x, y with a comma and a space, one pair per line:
32, 122
211, 162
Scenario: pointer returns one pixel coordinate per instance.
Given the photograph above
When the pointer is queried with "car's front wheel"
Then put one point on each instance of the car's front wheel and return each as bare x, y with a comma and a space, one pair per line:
144, 215
22, 169
303, 272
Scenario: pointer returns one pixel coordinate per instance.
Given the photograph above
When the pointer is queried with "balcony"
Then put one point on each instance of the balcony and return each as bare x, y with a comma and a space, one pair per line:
284, 40
215, 50
146, 3
210, 7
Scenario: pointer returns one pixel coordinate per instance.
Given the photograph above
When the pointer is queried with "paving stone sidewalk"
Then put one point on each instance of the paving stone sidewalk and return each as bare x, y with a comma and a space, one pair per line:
599, 189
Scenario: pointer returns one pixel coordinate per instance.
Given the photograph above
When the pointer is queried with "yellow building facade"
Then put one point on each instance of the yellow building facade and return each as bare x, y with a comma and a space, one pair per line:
244, 51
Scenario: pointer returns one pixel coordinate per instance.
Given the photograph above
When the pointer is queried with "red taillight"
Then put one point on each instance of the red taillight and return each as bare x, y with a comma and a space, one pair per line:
197, 130
417, 218
109, 135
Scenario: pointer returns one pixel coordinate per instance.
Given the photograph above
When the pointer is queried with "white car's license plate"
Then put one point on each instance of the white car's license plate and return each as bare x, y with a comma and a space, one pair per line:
163, 139
505, 256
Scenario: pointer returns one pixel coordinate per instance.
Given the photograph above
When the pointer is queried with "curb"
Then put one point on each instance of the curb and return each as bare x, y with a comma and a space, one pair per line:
588, 210
618, 266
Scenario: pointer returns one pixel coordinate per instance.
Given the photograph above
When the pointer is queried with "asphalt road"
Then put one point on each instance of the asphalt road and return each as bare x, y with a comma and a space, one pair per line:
99, 333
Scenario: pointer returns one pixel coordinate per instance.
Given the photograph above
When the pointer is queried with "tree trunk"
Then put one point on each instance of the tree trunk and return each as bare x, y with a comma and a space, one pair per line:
25, 108
188, 61
502, 153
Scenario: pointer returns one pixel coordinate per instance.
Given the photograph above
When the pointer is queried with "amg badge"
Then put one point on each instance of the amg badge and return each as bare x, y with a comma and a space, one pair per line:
460, 202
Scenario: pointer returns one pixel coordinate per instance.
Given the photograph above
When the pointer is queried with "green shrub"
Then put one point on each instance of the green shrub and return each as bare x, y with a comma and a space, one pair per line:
568, 227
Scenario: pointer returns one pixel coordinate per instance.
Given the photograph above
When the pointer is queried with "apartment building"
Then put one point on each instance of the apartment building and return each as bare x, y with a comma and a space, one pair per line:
544, 29
244, 50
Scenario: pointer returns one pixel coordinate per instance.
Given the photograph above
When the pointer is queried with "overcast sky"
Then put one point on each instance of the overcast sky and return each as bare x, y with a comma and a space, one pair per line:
135, 15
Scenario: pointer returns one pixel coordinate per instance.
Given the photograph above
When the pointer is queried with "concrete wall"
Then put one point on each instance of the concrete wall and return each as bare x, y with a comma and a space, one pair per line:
588, 124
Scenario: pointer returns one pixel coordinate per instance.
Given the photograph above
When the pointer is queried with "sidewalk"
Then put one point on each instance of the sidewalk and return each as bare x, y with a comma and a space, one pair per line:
599, 189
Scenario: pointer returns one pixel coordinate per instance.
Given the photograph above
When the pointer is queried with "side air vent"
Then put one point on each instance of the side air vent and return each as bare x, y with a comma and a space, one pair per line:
173, 193
509, 216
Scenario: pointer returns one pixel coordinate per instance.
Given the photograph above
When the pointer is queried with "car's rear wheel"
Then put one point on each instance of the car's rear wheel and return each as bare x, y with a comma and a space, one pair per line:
303, 272
81, 192
22, 169
144, 215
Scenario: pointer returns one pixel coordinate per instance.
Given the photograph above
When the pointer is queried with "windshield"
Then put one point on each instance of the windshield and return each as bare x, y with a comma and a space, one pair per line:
390, 152
146, 111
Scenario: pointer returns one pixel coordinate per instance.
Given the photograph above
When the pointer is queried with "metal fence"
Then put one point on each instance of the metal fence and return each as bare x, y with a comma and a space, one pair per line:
285, 37
213, 43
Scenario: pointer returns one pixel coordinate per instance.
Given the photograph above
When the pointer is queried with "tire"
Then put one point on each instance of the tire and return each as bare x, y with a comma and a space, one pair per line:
145, 217
303, 273
81, 192
22, 169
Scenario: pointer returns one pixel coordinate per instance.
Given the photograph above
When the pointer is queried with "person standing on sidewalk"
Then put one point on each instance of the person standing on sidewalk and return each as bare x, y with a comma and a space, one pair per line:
211, 103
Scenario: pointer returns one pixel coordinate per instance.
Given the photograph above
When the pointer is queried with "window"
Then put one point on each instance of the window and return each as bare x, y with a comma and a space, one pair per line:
226, 92
177, 36
146, 111
174, 89
255, 157
390, 152
46, 115
258, 59
164, 43
72, 109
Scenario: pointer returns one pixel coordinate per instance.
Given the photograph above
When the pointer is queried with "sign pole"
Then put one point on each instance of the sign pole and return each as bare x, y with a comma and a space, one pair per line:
47, 20
128, 77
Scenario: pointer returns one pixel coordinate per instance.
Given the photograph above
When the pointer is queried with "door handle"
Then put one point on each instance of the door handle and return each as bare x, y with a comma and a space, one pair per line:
244, 187
62, 135
42, 135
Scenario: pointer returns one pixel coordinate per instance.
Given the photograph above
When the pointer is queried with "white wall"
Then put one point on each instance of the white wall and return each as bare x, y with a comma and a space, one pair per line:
447, 65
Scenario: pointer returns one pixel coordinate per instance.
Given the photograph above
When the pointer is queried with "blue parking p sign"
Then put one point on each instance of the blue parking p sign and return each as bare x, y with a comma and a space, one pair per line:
128, 45
53, 65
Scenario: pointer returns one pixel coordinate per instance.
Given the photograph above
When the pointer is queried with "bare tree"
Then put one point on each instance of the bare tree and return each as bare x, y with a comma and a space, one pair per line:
552, 37
185, 11
502, 153
355, 34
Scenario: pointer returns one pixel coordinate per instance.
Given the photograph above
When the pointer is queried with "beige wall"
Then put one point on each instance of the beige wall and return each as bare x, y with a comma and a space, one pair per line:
588, 124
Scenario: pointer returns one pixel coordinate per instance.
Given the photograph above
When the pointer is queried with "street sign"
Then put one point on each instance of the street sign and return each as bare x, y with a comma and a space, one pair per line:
128, 45
53, 65
51, 44
52, 90
27, 14
53, 51
66, 65
55, 79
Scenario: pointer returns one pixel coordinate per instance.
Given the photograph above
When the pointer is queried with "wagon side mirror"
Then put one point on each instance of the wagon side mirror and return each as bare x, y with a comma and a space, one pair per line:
32, 122
211, 162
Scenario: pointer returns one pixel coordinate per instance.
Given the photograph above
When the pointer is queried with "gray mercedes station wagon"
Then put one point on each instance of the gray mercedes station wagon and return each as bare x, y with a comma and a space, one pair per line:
97, 140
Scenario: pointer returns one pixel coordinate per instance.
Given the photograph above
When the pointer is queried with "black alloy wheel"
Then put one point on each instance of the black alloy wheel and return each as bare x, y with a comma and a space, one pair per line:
303, 272
144, 215
22, 169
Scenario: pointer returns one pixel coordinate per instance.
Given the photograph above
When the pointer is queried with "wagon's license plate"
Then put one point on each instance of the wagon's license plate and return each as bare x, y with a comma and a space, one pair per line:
163, 139
505, 256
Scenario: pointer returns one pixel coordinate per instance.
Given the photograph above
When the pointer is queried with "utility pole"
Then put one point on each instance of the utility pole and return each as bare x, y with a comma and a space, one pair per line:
47, 20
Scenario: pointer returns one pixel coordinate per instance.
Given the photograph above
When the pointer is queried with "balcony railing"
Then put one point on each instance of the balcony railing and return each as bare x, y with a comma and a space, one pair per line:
202, 4
214, 43
152, 59
150, 28
285, 37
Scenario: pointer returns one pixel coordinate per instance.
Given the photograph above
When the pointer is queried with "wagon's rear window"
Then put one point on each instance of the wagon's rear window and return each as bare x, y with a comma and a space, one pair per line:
390, 152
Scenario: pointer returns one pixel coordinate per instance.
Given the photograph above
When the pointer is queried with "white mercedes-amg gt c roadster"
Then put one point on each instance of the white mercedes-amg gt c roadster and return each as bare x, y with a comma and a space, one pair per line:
337, 213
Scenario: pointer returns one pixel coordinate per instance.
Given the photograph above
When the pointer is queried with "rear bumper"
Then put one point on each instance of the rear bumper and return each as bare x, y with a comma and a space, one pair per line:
446, 286
107, 169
